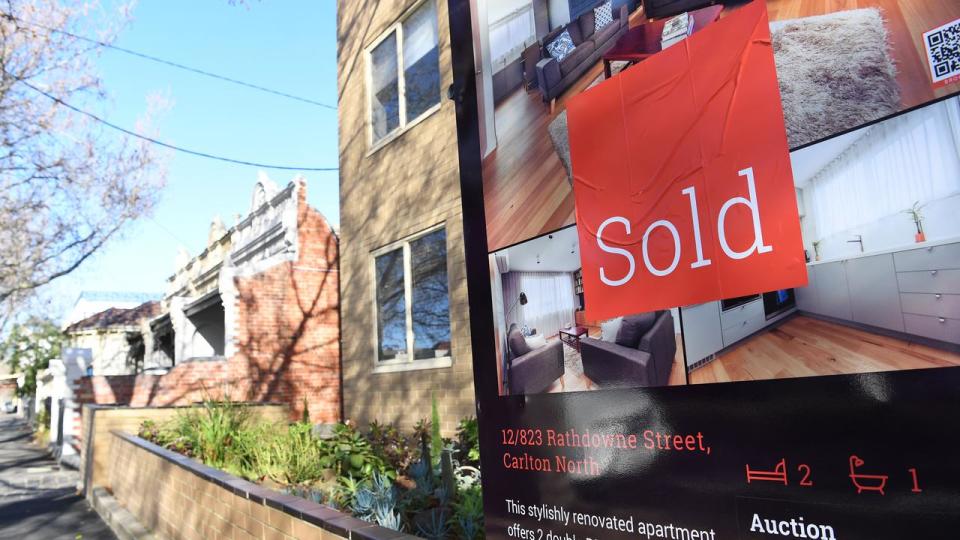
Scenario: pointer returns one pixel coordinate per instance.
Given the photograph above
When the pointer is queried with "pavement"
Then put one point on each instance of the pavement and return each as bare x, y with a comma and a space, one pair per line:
38, 498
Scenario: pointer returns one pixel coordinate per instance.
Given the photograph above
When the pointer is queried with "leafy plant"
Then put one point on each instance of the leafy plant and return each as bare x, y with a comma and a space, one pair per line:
349, 454
390, 445
468, 513
916, 214
291, 455
377, 503
305, 415
435, 525
436, 441
468, 442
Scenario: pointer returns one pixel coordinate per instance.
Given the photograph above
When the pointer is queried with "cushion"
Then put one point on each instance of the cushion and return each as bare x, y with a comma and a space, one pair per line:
587, 24
575, 60
609, 329
561, 47
605, 35
517, 343
633, 328
602, 15
536, 341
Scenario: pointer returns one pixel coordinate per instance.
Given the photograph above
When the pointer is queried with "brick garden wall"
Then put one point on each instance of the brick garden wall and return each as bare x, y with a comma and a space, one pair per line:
287, 340
184, 500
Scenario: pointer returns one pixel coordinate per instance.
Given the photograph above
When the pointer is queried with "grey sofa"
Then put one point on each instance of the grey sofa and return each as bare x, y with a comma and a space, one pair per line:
531, 371
553, 76
642, 355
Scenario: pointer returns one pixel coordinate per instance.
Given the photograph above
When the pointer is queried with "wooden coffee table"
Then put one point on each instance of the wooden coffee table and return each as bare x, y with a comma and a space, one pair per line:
642, 42
571, 336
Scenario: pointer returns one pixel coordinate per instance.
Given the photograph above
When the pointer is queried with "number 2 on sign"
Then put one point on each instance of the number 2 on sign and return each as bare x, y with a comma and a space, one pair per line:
805, 470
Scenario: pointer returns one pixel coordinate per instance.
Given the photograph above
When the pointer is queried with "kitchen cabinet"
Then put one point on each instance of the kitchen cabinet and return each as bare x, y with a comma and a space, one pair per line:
928, 258
741, 321
807, 296
915, 291
702, 334
874, 297
833, 296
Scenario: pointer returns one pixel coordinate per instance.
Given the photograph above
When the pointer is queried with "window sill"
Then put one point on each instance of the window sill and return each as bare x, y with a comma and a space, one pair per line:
397, 133
415, 365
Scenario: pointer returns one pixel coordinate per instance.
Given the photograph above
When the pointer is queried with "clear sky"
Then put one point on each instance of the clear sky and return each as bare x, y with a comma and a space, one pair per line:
287, 45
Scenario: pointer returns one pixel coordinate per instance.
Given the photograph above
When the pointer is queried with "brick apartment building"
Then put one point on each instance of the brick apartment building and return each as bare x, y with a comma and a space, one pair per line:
406, 331
254, 316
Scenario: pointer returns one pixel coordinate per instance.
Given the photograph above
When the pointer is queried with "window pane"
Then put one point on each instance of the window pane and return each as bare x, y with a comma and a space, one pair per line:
421, 60
384, 95
391, 307
431, 300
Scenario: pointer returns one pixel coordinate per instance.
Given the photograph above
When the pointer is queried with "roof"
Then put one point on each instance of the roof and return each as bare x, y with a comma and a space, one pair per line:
117, 317
117, 296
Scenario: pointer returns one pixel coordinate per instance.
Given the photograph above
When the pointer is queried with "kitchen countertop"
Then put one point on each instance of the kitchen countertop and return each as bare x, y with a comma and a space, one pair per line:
906, 247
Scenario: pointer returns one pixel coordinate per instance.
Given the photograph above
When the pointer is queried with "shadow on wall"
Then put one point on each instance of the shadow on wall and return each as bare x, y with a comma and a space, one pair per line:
407, 186
287, 340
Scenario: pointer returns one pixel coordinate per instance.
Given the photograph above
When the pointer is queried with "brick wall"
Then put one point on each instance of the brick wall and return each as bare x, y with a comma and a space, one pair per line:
178, 504
388, 194
287, 339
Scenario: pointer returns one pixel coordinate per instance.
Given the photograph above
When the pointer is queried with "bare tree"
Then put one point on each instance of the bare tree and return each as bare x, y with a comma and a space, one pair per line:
67, 183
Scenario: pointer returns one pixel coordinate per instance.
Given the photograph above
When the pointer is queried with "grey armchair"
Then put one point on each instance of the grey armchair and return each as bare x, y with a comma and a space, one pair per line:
642, 355
531, 371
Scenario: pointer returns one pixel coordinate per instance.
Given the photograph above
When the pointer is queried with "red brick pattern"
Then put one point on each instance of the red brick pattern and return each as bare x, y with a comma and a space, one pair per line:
287, 340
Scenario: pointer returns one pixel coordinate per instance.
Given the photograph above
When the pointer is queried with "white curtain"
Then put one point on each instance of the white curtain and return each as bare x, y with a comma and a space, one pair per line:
510, 34
913, 157
550, 300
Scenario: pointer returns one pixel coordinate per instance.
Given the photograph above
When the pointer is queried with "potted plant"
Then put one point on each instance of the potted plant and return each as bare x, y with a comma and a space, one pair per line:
917, 217
816, 249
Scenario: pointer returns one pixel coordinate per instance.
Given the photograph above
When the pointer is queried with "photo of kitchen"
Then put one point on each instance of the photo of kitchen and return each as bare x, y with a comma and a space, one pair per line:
839, 64
878, 209
545, 343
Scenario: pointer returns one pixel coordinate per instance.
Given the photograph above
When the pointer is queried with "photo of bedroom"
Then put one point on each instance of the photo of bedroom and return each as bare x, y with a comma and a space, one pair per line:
839, 64
878, 211
544, 342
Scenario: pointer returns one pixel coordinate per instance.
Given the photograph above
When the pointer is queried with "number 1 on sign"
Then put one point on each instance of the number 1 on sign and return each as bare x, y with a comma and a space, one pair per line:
916, 482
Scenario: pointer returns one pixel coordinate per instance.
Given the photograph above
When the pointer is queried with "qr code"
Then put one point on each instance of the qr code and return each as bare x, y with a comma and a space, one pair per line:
943, 52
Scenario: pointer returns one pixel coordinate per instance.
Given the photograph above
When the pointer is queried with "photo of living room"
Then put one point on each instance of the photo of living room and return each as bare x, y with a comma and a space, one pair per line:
544, 342
840, 65
878, 211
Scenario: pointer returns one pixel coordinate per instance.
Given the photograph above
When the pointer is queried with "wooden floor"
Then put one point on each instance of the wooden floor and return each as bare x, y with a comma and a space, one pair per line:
804, 347
571, 382
526, 191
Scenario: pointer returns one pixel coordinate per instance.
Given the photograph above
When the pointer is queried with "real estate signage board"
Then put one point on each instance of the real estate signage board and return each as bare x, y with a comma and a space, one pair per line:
713, 266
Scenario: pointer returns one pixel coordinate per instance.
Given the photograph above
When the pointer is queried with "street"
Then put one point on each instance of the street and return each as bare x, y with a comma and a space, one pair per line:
38, 500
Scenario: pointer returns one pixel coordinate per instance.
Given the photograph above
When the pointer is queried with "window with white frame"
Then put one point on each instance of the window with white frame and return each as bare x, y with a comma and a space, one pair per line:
404, 73
510, 35
412, 302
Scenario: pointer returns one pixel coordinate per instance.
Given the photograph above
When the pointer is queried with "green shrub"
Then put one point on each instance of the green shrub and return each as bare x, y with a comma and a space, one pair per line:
467, 447
350, 454
290, 455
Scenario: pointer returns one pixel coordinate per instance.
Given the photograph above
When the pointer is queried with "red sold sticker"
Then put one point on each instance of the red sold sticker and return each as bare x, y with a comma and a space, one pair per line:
682, 177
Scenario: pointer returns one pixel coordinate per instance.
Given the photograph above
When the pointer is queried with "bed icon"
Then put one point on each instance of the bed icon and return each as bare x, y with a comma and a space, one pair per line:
778, 474
866, 482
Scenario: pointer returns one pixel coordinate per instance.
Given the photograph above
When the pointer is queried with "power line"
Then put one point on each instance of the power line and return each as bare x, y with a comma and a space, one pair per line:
161, 143
177, 65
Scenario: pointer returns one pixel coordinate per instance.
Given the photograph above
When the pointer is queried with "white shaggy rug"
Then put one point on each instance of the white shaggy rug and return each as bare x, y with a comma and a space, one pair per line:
835, 73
